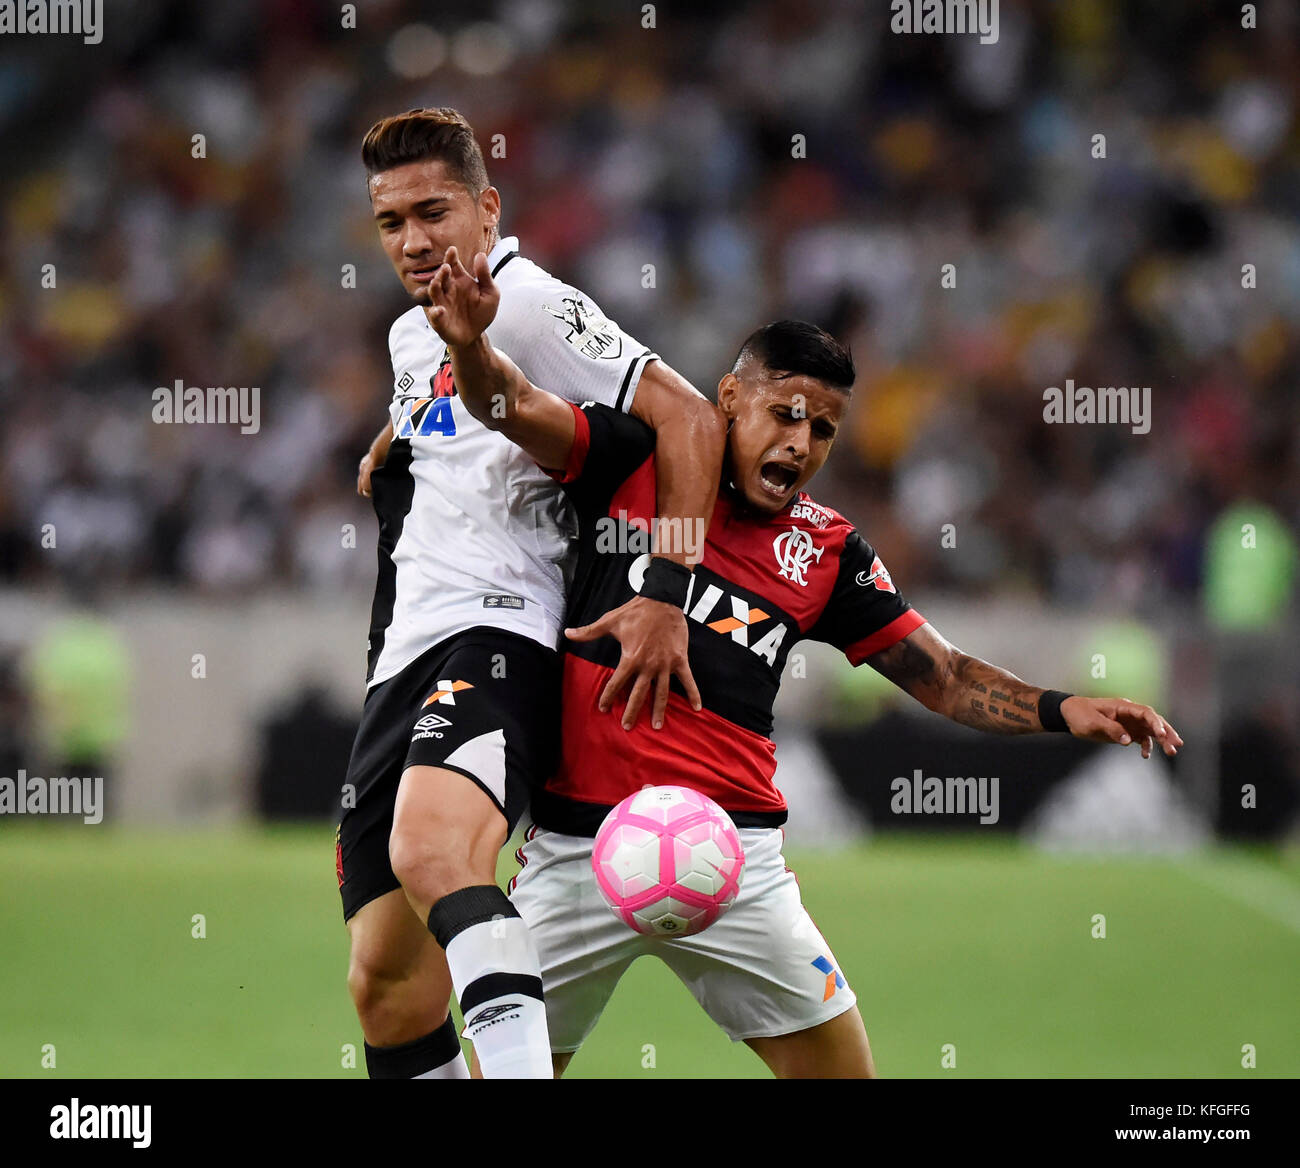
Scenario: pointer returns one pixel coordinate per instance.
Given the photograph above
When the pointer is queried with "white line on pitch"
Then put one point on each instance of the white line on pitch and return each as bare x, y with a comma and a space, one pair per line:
1251, 883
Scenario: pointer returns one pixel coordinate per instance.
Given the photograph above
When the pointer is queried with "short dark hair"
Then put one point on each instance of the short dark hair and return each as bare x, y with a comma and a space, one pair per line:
795, 346
438, 133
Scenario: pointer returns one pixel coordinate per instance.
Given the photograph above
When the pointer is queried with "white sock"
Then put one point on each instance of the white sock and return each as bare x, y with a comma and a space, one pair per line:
453, 1069
498, 980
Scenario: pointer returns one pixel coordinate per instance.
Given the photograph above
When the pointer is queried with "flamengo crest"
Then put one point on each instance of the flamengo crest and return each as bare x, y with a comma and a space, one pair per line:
794, 551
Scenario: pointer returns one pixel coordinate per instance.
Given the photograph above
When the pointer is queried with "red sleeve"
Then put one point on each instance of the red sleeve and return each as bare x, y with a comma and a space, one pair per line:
881, 639
608, 447
577, 452
865, 612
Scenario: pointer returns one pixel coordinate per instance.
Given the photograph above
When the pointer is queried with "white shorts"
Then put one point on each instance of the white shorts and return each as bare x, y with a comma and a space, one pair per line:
761, 970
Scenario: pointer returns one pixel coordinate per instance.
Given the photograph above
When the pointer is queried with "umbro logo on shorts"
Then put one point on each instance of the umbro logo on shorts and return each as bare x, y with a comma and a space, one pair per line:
492, 1012
446, 692
430, 726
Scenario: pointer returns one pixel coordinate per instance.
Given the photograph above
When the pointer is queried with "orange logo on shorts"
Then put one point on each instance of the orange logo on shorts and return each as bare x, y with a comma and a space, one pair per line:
833, 979
446, 691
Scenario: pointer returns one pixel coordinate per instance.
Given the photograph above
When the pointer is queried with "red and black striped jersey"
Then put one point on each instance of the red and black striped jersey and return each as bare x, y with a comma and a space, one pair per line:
764, 584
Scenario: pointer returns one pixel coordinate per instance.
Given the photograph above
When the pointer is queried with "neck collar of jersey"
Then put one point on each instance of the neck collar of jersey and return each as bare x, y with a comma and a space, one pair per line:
505, 250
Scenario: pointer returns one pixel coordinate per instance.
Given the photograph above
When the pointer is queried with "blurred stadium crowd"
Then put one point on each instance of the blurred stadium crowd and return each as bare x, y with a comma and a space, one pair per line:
625, 147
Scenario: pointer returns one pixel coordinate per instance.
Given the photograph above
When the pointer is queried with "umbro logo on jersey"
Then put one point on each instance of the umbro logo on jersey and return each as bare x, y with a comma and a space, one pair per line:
405, 381
795, 552
879, 576
446, 692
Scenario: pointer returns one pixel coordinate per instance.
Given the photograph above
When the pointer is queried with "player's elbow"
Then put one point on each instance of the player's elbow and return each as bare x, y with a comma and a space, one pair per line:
703, 413
945, 703
703, 422
666, 401
950, 690
713, 422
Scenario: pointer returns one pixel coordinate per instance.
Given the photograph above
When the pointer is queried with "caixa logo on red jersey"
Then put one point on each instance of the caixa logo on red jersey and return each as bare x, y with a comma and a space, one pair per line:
725, 613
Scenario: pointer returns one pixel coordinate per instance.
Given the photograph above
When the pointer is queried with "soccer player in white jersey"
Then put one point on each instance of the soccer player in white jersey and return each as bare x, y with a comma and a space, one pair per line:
461, 716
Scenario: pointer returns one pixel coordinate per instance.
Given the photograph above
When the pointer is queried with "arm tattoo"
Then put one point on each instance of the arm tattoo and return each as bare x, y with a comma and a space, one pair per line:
963, 688
1004, 705
911, 667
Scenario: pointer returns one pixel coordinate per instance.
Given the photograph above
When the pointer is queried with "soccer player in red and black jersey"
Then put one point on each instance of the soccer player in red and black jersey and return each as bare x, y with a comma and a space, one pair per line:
777, 567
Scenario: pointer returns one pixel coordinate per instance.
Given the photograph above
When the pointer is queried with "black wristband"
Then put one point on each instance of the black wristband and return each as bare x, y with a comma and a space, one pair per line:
666, 580
1049, 710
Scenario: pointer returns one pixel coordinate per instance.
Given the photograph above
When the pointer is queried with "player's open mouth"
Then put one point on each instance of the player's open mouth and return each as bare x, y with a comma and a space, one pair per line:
776, 478
423, 275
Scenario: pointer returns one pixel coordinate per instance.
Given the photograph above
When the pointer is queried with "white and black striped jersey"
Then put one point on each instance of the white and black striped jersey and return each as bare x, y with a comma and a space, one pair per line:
471, 532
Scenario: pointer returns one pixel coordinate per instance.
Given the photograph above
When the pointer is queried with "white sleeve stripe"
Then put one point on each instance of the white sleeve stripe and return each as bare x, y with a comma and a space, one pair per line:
644, 359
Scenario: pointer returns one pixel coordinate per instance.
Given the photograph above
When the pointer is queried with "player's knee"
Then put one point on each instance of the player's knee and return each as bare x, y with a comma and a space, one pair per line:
428, 871
376, 996
368, 989
392, 1003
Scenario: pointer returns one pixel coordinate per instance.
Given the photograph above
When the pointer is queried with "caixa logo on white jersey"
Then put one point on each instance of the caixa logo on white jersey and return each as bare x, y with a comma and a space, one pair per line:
423, 417
724, 612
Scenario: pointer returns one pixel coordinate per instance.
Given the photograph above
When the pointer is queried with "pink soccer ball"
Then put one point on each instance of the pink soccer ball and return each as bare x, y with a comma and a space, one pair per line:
668, 861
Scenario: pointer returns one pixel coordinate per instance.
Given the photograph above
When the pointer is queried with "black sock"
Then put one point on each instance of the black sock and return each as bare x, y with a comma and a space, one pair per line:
435, 1056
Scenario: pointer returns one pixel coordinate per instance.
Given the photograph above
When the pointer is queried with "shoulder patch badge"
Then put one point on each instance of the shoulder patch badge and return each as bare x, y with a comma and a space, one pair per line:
591, 334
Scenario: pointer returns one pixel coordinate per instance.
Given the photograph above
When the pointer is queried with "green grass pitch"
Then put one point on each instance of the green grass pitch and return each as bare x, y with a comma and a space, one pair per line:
978, 943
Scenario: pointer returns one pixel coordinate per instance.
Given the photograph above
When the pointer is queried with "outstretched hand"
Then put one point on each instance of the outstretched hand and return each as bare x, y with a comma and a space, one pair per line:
1119, 720
462, 304
653, 637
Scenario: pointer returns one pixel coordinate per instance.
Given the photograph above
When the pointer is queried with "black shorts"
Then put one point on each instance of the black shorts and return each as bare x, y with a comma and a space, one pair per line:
485, 703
